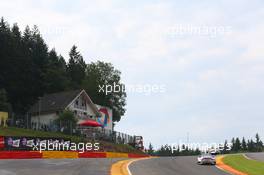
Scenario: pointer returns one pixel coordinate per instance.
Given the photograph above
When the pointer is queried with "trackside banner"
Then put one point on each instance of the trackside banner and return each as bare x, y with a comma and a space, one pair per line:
31, 143
2, 142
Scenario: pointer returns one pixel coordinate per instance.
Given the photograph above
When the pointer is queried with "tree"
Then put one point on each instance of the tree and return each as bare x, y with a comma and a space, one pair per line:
150, 149
250, 145
55, 77
225, 149
34, 60
25, 67
76, 67
23, 63
4, 105
244, 144
67, 121
8, 52
259, 144
237, 145
233, 144
101, 74
29, 70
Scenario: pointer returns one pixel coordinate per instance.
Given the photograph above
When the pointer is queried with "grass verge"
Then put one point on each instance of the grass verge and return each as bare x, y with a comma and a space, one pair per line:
105, 146
240, 163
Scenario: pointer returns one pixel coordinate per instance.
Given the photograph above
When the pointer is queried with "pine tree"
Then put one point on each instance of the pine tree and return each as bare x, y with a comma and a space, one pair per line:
259, 144
56, 78
29, 70
237, 145
244, 144
225, 149
76, 67
233, 144
150, 149
251, 145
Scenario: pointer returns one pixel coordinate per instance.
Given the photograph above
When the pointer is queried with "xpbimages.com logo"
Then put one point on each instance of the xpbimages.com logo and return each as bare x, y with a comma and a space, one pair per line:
146, 89
65, 146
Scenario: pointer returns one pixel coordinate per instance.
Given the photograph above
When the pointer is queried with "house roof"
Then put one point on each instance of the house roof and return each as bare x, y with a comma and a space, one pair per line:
58, 101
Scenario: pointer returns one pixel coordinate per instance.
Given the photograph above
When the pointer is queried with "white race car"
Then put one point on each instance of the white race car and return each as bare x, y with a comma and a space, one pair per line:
206, 159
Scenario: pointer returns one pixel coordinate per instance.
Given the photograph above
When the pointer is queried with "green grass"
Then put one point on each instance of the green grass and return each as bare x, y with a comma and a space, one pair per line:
106, 146
12, 131
239, 162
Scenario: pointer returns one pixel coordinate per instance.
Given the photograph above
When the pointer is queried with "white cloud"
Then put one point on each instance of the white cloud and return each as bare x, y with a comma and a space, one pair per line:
205, 76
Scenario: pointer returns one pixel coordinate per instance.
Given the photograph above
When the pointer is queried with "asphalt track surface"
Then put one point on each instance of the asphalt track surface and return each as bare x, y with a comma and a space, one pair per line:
256, 156
100, 166
173, 166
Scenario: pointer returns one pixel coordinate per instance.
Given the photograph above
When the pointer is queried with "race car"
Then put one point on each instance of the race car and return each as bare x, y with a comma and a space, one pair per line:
208, 159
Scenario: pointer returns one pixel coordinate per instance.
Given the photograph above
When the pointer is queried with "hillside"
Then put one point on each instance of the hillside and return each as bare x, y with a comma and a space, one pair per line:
105, 146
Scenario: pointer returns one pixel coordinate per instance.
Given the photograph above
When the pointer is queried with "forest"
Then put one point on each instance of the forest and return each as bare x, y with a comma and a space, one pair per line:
29, 69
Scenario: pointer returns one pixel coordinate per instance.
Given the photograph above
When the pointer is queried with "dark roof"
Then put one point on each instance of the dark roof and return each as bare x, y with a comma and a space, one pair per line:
54, 102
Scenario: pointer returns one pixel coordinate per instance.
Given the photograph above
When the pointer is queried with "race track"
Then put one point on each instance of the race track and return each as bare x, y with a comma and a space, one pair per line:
83, 166
101, 166
173, 166
256, 156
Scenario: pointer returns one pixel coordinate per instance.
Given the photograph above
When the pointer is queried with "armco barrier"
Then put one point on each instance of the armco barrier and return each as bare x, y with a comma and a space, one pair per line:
92, 155
59, 154
64, 154
20, 155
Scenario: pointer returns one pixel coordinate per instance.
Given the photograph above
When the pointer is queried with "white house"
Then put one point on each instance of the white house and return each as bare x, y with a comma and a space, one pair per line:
47, 109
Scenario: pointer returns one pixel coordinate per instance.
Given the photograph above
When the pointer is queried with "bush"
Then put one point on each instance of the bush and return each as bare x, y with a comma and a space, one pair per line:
67, 121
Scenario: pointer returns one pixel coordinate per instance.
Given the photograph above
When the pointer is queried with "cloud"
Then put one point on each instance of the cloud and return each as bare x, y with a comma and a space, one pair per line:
212, 81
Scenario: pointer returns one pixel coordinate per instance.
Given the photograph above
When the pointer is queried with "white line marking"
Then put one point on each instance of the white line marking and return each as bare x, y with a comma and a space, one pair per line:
223, 170
128, 170
247, 157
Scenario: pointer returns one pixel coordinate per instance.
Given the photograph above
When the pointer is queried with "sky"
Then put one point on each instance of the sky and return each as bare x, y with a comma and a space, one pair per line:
206, 55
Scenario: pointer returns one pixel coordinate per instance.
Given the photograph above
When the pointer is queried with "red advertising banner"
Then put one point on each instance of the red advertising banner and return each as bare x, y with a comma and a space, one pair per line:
2, 142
